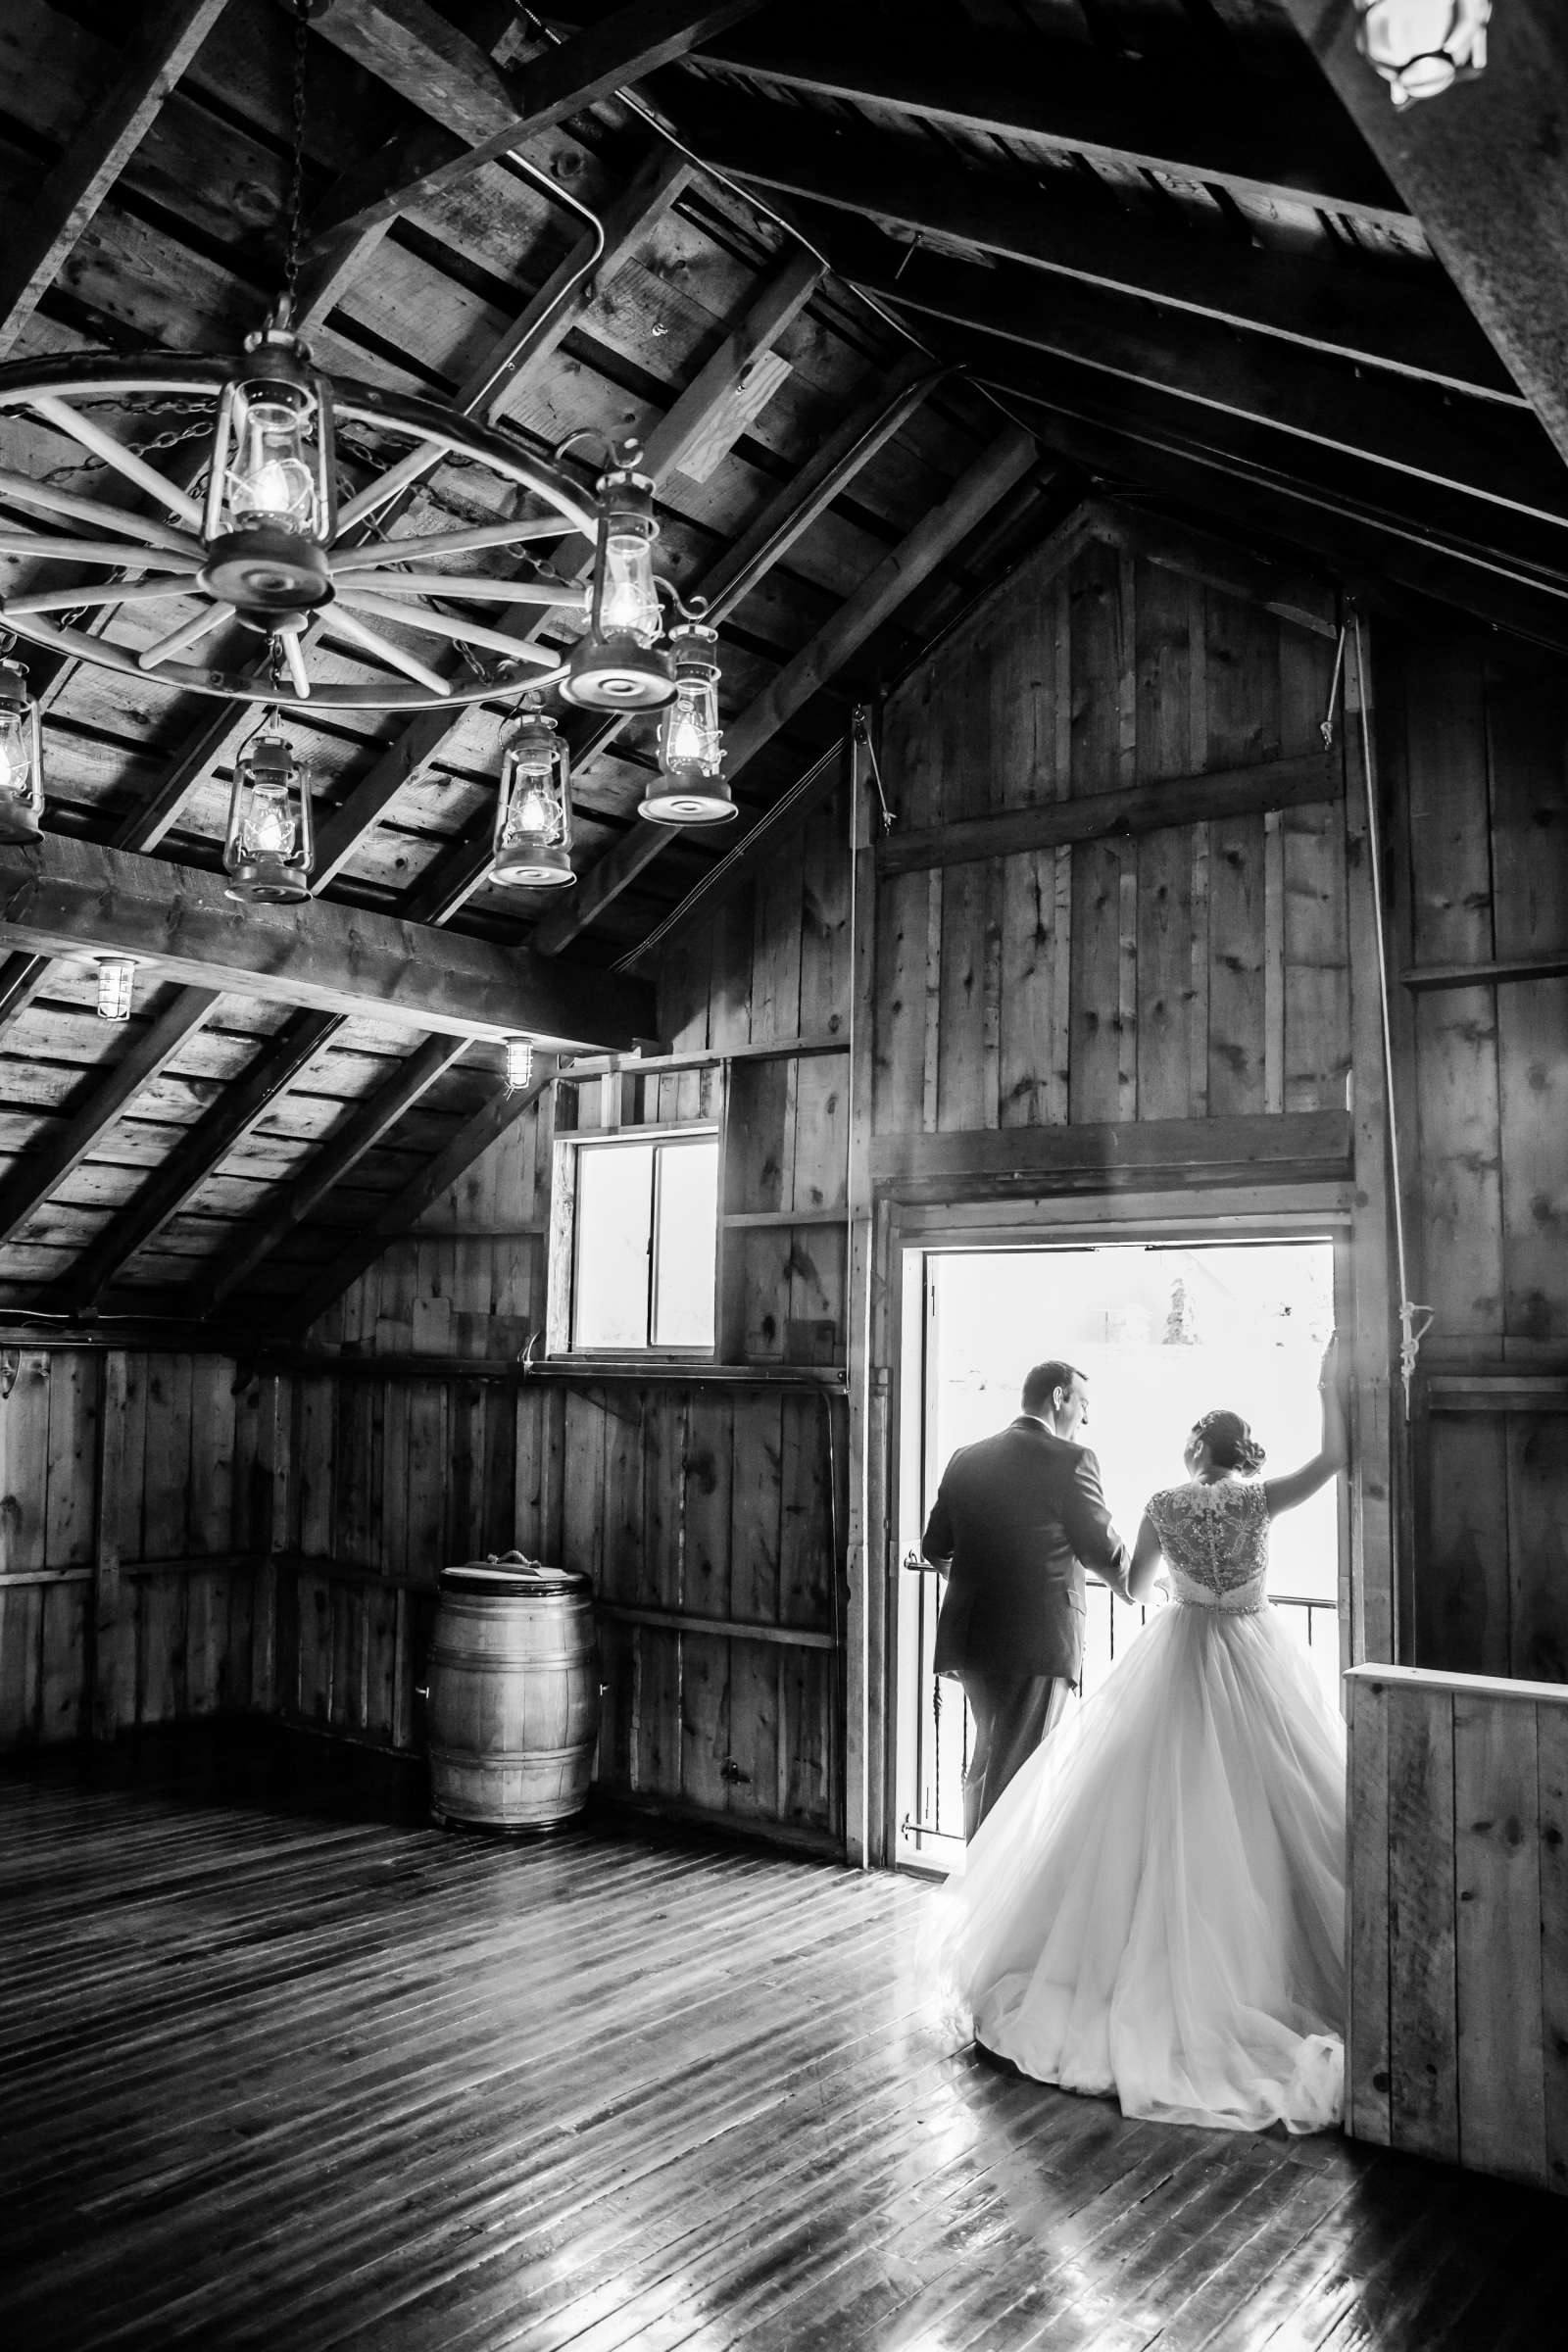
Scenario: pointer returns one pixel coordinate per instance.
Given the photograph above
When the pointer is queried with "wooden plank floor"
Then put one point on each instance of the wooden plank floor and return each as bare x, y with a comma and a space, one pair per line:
275, 2077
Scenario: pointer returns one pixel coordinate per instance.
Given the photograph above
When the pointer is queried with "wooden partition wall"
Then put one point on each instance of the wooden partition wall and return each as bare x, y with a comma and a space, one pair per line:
1456, 2039
1476, 738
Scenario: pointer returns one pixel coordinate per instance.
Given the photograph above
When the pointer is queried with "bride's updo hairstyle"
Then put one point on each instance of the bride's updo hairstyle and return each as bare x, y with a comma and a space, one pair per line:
1231, 1444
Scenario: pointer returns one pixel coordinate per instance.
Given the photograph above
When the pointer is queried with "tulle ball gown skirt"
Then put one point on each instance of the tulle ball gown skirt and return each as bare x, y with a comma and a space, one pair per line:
1156, 1905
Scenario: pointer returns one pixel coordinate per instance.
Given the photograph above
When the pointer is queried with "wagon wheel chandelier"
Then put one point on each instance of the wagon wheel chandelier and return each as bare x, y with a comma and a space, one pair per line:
260, 552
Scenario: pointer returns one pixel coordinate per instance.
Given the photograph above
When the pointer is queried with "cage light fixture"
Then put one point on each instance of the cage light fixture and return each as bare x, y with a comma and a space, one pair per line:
1422, 47
20, 753
270, 843
520, 1062
691, 747
533, 807
617, 665
116, 979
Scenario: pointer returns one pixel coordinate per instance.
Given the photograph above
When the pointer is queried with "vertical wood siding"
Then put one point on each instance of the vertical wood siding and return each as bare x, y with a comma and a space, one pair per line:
1193, 971
1478, 744
1458, 1921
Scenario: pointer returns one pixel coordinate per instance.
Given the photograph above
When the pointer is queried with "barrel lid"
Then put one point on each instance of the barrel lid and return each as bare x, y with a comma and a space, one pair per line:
512, 1572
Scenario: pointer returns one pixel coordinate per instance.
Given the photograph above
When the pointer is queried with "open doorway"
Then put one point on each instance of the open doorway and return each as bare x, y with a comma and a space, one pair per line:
1163, 1332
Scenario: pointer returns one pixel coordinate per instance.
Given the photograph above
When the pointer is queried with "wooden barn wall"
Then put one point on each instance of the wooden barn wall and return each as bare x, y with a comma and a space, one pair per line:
1476, 740
708, 1511
1195, 970
134, 1509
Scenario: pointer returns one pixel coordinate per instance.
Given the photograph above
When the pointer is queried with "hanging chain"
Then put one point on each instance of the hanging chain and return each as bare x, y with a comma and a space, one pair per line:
294, 206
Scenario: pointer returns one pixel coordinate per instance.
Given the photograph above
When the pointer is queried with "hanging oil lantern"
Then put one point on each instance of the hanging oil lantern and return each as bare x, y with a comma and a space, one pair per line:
271, 509
691, 747
617, 665
268, 846
533, 808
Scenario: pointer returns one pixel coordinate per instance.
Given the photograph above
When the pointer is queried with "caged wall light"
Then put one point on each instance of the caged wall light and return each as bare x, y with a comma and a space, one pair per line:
1422, 47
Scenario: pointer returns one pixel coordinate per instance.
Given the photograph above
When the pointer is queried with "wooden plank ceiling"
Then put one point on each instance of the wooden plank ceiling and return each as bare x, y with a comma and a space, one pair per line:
1008, 253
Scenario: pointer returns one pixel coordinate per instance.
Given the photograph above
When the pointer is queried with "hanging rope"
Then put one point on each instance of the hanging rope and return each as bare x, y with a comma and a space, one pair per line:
860, 740
1413, 1330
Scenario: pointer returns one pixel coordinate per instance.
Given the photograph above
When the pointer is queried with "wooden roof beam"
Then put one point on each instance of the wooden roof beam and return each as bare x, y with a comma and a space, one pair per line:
1284, 147
401, 1216
502, 111
1490, 455
41, 1173
1484, 169
994, 473
239, 1110
39, 236
358, 1132
1373, 551
1379, 319
67, 896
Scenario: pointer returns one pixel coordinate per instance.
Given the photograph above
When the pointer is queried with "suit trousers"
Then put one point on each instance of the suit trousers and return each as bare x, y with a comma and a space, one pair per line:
1012, 1713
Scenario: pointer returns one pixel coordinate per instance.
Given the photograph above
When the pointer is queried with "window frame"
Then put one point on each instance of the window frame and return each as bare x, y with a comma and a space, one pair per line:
567, 1239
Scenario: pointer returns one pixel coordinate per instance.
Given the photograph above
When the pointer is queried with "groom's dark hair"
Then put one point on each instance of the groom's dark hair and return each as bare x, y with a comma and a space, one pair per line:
1040, 1385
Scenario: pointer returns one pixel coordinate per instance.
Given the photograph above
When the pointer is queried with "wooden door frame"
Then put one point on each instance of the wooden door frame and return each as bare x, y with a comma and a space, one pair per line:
901, 1228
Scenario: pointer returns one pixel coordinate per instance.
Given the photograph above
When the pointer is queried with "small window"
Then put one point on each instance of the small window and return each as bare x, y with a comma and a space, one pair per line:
643, 1258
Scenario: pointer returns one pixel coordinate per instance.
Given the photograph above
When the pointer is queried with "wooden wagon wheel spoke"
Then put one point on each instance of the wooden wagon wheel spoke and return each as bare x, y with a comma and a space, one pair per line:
93, 438
15, 488
461, 585
342, 625
431, 545
402, 476
122, 592
437, 624
91, 550
191, 632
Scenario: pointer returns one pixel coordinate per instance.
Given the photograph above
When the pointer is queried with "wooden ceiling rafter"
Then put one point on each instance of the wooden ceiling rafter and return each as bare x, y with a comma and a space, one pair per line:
173, 1184
998, 469
504, 111
39, 238
1374, 554
1370, 317
355, 1133
1489, 452
39, 1175
1144, 114
399, 1219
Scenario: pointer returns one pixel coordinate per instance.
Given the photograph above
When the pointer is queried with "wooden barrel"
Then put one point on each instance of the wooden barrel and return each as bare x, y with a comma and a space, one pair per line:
514, 1696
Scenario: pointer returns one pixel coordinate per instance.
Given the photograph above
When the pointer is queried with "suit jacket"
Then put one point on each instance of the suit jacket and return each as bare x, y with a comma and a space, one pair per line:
1021, 1516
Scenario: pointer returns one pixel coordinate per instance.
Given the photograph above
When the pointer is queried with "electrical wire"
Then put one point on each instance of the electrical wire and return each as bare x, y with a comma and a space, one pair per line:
758, 203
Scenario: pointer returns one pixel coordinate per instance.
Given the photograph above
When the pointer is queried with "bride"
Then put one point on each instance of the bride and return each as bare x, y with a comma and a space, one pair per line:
1156, 1905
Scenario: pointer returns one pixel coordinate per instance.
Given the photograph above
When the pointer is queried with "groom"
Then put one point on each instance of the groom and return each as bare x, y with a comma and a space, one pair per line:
1018, 1518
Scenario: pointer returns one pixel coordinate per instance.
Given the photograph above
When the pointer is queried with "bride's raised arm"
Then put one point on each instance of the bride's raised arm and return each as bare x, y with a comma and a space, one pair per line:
1284, 1493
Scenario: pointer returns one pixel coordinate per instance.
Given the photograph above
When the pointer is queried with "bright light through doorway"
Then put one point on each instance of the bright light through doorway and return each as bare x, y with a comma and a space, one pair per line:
1162, 1333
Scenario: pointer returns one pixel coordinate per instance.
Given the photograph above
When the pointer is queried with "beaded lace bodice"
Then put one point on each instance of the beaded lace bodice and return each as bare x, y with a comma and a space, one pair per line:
1215, 1539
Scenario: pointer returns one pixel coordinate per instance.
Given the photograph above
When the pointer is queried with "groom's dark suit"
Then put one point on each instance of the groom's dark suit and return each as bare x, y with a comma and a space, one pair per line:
1020, 1517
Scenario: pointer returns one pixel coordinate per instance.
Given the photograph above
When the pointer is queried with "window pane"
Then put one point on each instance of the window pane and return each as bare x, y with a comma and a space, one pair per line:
610, 1297
683, 1257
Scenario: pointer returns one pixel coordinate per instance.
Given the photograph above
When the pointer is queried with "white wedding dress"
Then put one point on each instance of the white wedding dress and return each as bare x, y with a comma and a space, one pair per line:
1156, 1905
